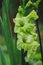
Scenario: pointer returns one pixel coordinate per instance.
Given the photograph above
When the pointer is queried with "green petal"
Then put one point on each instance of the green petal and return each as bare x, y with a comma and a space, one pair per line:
33, 15
17, 29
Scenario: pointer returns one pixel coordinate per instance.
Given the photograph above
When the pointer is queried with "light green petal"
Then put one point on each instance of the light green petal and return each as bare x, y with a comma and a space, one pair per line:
31, 52
33, 15
29, 39
20, 21
35, 36
17, 29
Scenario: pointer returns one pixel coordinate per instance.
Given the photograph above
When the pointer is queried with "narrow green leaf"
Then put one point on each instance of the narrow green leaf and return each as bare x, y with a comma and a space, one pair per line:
2, 57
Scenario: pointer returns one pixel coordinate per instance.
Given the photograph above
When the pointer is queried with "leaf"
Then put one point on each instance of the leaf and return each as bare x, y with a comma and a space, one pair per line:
2, 57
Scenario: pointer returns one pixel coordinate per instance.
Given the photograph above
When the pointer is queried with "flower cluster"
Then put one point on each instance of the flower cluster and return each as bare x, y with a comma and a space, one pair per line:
26, 34
35, 4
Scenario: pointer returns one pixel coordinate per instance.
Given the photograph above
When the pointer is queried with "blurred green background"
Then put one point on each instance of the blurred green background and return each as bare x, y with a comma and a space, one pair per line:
13, 10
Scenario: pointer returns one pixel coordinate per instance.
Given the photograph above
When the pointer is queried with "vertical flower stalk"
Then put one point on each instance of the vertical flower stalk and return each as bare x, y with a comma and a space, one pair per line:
26, 30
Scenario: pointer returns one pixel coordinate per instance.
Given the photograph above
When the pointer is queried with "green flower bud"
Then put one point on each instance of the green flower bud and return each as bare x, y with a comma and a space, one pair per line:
28, 3
36, 3
33, 15
20, 9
